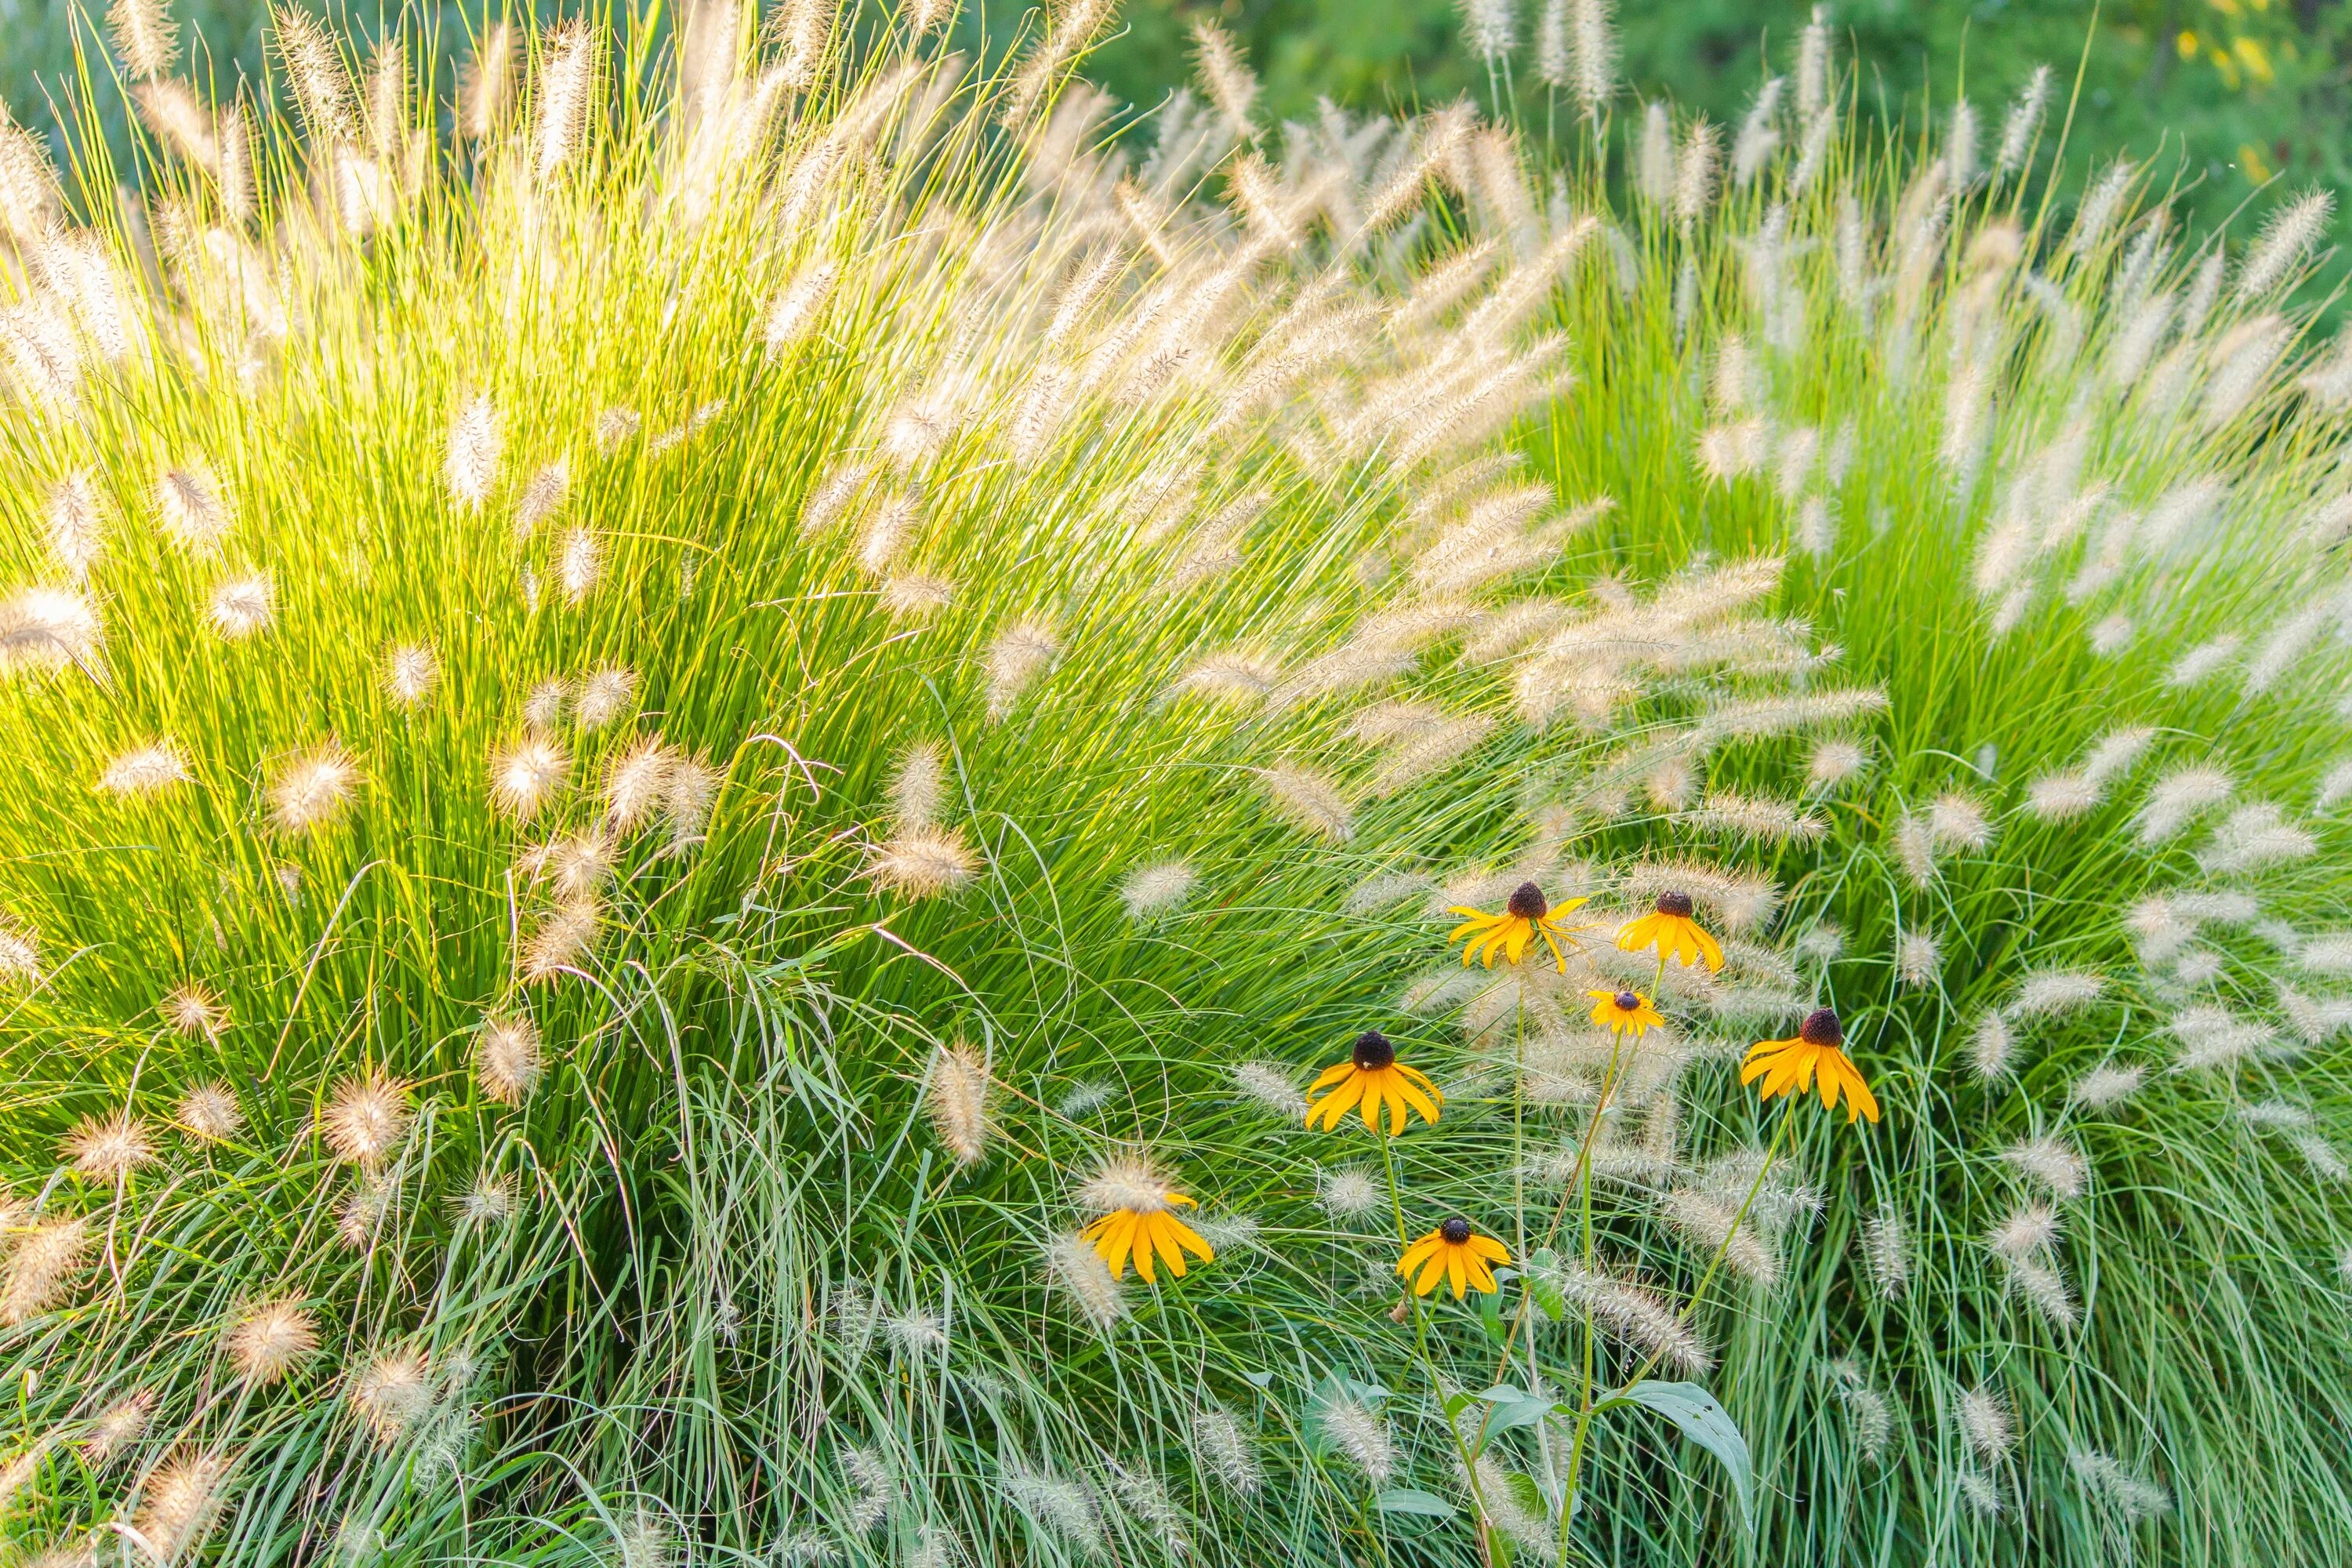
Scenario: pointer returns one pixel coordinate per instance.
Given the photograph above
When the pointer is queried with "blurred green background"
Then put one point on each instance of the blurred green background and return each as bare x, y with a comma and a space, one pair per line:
2226, 94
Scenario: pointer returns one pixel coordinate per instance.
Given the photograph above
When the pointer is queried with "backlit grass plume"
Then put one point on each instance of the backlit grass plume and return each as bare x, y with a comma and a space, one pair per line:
682, 765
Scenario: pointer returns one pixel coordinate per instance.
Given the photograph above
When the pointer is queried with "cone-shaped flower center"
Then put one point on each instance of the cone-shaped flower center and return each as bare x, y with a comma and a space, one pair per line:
1676, 904
1625, 1001
1529, 902
1374, 1051
1820, 1028
1455, 1231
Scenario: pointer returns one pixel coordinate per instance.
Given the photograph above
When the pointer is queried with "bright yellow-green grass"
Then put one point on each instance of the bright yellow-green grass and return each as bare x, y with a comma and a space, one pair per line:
676, 759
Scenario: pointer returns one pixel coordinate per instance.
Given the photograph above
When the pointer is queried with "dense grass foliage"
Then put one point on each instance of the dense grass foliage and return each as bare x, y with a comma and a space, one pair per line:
661, 752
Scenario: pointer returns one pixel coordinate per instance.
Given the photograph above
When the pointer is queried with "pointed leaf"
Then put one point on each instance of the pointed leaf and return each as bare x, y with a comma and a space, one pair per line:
1705, 1421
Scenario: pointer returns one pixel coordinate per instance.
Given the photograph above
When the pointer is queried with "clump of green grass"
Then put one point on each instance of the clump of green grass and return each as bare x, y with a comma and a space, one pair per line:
668, 751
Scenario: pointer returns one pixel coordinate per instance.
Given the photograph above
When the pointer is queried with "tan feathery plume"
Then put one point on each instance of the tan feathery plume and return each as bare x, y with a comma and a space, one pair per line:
957, 1099
471, 465
635, 782
244, 608
196, 515
180, 1503
108, 1149
209, 1113
527, 774
42, 1261
194, 1011
322, 86
606, 695
569, 83
117, 1426
487, 83
144, 770
917, 787
921, 863
563, 940
312, 789
410, 671
508, 1059
366, 1118
1018, 656
1309, 800
266, 1340
392, 1394
145, 38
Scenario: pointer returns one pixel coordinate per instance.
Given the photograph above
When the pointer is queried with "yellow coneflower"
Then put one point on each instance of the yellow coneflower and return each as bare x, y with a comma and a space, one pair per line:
1524, 918
1623, 1012
1792, 1064
1138, 1218
1373, 1077
1670, 928
1456, 1253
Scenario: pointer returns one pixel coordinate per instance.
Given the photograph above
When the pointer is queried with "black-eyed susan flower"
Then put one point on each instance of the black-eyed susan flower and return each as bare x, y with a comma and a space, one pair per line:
1371, 1077
1623, 1012
1137, 1209
1814, 1053
1456, 1253
1669, 928
1527, 916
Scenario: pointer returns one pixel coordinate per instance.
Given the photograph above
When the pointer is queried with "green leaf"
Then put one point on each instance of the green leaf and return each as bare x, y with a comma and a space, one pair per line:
1705, 1421
1258, 1379
1404, 1499
1540, 1289
1514, 1406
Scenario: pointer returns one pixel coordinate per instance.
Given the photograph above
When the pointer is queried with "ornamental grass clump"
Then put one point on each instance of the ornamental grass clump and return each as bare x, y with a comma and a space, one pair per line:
700, 774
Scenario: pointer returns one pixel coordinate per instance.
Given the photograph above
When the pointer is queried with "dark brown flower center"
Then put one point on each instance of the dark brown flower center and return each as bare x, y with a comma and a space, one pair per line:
1455, 1231
1676, 904
1820, 1028
1528, 902
1625, 1001
1374, 1051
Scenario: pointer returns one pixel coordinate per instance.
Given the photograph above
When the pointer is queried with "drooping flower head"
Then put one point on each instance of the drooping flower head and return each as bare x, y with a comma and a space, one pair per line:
1137, 1218
1670, 928
1793, 1063
1508, 934
1371, 1077
1624, 1011
1456, 1253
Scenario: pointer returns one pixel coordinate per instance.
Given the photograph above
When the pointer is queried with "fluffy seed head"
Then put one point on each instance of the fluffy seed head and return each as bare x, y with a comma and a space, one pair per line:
195, 515
108, 1149
1156, 888
922, 863
2106, 1085
209, 1113
244, 608
1362, 1437
1991, 1047
527, 774
117, 1426
1919, 958
1271, 1084
409, 672
180, 1503
1985, 1422
605, 696
36, 1271
1129, 1182
957, 1100
311, 789
392, 1394
143, 771
507, 1059
1309, 800
1085, 1279
366, 1118
266, 1340
194, 1011
1350, 1194
2053, 1163
472, 464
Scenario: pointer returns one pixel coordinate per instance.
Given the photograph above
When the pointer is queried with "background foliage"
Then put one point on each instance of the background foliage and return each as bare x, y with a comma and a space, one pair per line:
2227, 94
